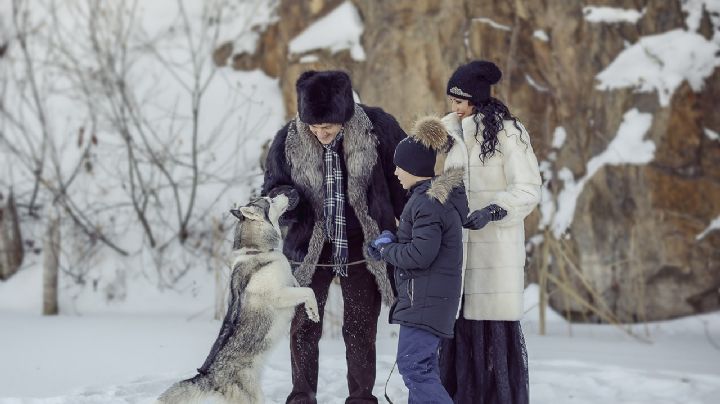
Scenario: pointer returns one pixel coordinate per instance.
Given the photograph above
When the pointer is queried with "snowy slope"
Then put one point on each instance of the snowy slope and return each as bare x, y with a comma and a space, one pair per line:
132, 359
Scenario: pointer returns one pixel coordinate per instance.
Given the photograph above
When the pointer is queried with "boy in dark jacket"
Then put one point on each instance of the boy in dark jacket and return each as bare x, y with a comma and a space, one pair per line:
428, 255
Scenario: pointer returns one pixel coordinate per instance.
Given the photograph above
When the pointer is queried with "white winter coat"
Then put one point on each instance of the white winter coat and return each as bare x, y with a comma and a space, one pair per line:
495, 255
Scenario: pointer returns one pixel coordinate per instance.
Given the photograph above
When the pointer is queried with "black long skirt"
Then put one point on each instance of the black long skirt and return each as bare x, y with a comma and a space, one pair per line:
485, 363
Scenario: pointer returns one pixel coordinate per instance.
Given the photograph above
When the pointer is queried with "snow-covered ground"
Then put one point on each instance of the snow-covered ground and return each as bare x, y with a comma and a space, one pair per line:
132, 358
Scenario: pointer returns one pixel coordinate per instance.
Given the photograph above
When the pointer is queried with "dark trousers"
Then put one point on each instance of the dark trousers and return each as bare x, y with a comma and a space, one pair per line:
485, 363
361, 301
417, 360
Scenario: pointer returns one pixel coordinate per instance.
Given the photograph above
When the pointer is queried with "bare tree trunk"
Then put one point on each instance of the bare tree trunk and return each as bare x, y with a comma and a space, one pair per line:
50, 267
11, 247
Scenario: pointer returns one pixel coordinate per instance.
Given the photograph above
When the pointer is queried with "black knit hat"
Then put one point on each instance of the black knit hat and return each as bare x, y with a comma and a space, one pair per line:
324, 97
472, 81
416, 153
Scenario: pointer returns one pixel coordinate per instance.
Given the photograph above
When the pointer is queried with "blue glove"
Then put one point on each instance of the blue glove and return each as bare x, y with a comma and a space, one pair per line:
374, 252
386, 237
373, 249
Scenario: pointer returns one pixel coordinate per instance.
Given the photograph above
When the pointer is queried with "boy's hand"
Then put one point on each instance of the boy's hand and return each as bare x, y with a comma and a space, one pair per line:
386, 237
480, 218
374, 252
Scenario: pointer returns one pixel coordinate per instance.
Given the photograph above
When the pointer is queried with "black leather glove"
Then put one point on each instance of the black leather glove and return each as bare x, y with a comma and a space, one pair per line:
480, 218
290, 192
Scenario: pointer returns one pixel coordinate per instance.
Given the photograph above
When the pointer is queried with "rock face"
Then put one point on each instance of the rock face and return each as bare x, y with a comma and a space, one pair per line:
635, 228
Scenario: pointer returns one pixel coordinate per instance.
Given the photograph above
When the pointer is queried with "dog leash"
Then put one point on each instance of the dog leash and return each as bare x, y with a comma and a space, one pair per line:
255, 252
330, 265
394, 364
388, 381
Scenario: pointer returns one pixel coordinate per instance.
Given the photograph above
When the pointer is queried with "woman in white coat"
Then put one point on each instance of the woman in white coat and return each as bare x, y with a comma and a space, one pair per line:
486, 362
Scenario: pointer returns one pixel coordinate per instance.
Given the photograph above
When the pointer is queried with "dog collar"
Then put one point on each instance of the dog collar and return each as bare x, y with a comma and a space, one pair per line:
256, 252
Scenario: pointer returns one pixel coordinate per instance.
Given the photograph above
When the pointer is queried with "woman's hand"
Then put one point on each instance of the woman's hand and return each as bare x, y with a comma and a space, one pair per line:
480, 218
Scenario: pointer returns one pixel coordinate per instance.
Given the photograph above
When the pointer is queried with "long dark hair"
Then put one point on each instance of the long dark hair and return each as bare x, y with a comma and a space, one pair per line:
491, 113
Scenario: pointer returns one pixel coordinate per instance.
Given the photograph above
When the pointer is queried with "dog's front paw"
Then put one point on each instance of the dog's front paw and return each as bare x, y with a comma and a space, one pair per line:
312, 311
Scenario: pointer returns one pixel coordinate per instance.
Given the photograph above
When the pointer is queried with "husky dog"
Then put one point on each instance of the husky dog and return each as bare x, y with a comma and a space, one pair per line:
263, 296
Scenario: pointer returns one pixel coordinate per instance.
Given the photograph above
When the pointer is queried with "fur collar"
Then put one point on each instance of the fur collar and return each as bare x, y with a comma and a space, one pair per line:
441, 186
465, 129
457, 155
305, 156
452, 123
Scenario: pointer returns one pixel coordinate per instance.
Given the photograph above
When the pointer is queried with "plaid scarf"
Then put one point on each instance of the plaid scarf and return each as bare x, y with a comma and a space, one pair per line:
334, 205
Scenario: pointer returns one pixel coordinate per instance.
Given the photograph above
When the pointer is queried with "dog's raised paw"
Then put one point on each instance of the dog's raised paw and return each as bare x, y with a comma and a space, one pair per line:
312, 313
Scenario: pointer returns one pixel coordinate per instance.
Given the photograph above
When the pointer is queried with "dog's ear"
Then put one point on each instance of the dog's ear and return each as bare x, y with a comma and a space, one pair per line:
251, 212
238, 214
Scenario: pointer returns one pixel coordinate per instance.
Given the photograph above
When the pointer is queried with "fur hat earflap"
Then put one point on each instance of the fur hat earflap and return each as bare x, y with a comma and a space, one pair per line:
324, 97
430, 132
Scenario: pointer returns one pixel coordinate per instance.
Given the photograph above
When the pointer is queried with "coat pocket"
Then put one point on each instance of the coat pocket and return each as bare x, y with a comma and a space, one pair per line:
411, 290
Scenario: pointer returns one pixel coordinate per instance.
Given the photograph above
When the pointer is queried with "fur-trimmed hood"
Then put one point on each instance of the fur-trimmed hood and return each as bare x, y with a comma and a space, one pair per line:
442, 186
448, 189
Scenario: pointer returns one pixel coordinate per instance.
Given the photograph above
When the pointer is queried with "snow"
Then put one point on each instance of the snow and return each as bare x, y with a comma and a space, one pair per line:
239, 111
535, 84
661, 63
714, 225
547, 202
534, 241
559, 137
694, 11
492, 23
341, 29
541, 35
240, 22
628, 147
309, 59
113, 359
610, 15
711, 134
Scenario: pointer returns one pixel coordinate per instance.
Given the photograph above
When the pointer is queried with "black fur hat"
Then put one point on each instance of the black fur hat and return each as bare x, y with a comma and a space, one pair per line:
324, 97
472, 81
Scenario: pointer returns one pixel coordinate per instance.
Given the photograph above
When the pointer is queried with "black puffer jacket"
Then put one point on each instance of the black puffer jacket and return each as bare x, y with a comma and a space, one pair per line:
429, 253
